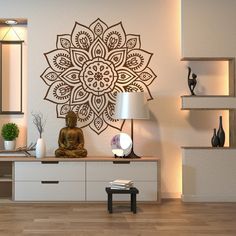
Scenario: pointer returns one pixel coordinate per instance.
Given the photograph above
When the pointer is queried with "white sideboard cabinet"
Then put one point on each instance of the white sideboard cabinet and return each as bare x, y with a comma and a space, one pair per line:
81, 179
209, 174
49, 181
144, 175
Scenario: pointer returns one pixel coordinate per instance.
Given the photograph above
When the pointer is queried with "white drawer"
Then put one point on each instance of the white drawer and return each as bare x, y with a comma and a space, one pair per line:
37, 171
61, 191
108, 171
96, 192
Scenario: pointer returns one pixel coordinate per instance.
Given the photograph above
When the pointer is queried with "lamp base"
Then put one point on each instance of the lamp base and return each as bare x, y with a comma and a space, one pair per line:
132, 155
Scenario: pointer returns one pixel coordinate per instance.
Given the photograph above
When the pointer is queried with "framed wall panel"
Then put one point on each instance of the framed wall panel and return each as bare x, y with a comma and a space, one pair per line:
11, 77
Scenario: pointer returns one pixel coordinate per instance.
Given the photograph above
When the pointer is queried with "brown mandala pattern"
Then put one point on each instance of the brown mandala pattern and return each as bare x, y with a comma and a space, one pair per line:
88, 68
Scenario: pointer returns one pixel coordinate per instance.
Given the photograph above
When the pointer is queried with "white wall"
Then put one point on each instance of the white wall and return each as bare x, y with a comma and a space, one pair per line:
158, 23
214, 39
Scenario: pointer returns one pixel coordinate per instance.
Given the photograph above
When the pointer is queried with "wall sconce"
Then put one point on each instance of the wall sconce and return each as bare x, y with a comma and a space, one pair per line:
11, 23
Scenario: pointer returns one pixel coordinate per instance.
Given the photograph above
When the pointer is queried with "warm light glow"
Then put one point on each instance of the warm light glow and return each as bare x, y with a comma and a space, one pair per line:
12, 33
225, 68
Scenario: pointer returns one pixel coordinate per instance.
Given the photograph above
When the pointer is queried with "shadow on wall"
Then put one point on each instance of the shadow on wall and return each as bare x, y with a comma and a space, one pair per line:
168, 111
153, 136
146, 136
1, 143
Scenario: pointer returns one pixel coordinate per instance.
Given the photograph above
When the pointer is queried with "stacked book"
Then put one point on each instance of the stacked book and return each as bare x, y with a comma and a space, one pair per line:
121, 184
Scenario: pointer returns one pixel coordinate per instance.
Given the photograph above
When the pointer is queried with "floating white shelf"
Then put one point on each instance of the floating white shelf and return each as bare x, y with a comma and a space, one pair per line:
208, 102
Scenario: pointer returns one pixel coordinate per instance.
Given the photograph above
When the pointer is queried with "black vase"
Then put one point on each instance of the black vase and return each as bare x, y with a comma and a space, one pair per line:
221, 134
215, 140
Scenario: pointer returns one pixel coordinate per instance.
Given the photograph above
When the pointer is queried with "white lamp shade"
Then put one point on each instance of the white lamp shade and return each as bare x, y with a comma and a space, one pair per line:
131, 105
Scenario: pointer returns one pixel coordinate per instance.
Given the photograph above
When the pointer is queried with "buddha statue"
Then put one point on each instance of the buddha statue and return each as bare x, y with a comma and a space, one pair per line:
71, 139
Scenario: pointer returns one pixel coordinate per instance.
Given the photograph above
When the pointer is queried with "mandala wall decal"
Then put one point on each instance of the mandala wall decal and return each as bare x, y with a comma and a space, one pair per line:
88, 68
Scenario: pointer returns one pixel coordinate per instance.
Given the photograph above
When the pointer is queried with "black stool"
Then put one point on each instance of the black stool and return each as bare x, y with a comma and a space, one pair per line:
132, 191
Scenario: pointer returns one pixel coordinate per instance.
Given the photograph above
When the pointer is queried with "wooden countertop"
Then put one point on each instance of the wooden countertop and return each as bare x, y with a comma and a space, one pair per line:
90, 158
210, 148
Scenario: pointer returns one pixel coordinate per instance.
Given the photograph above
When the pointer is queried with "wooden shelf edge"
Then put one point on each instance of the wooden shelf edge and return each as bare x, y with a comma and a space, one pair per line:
207, 58
87, 159
207, 96
208, 147
207, 109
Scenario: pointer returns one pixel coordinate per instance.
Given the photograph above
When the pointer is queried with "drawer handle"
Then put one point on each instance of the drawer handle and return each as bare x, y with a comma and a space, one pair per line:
49, 182
121, 162
49, 162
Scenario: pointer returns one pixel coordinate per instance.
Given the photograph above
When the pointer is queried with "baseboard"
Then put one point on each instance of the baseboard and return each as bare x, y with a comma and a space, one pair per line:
204, 198
171, 195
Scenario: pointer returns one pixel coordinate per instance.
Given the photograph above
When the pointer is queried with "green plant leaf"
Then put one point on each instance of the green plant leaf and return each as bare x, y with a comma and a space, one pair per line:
10, 131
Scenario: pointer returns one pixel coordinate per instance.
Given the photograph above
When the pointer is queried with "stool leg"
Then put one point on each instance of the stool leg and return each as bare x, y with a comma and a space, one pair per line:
109, 202
133, 203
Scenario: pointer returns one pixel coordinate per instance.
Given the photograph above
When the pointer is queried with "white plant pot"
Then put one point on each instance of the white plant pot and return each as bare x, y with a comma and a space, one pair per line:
10, 145
40, 148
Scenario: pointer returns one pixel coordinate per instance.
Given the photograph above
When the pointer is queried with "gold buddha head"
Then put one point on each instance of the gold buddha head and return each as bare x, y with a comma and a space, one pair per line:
71, 119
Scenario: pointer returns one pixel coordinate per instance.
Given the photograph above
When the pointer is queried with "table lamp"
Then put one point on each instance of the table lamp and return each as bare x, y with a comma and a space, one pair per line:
131, 105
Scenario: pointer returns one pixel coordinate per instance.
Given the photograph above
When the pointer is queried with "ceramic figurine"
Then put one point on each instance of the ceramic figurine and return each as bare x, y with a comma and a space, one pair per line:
192, 82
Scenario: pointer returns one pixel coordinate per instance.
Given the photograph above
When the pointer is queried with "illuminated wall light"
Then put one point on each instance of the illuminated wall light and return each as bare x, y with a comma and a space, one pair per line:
11, 22
11, 31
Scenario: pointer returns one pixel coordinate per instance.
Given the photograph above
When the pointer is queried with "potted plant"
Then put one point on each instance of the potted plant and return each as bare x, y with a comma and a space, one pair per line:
10, 132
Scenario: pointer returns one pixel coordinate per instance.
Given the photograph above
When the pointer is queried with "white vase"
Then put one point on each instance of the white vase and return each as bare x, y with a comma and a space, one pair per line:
40, 148
10, 145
